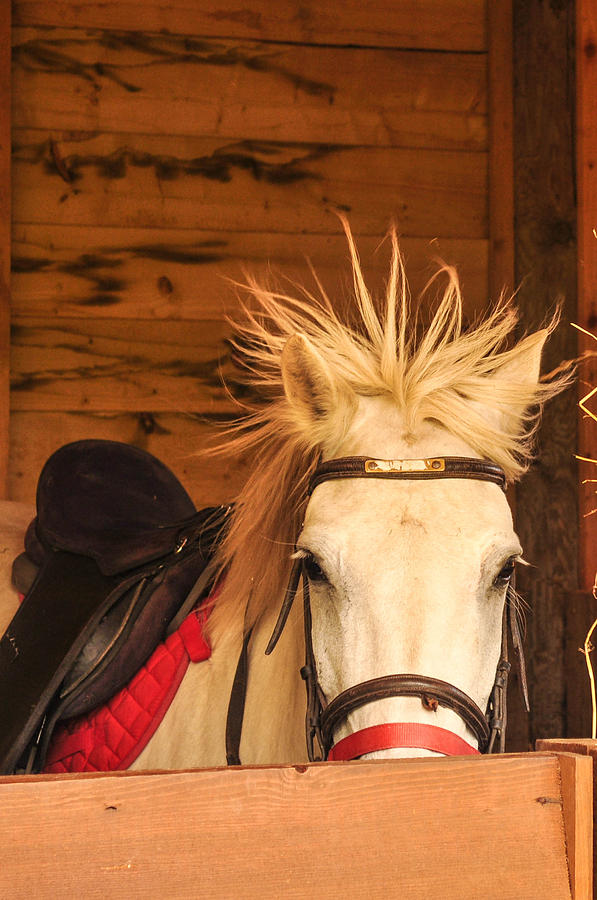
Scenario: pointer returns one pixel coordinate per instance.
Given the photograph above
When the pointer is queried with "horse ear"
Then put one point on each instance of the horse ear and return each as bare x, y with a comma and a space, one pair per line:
524, 366
322, 404
517, 381
308, 383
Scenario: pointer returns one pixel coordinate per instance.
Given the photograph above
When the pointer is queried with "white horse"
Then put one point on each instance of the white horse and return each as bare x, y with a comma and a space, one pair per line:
406, 575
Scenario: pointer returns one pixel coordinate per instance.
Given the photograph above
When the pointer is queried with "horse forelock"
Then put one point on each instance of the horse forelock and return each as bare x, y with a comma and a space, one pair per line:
370, 348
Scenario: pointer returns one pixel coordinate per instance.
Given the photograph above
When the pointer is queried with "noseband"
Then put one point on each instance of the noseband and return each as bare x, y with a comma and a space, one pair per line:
323, 717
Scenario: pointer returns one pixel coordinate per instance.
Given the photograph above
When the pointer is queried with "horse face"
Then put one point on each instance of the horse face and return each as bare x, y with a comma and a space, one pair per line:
407, 577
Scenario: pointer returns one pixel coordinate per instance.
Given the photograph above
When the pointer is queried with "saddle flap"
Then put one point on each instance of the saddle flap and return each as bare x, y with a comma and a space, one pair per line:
33, 660
113, 502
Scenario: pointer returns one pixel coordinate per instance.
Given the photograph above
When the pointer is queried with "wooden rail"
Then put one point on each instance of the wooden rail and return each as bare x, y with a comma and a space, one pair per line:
494, 827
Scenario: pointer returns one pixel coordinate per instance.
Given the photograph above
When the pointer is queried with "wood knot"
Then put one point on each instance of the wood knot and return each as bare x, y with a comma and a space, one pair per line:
147, 422
165, 285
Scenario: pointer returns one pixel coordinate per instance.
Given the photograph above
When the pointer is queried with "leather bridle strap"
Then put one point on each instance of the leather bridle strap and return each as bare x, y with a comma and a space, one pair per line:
408, 469
497, 707
447, 695
323, 718
295, 577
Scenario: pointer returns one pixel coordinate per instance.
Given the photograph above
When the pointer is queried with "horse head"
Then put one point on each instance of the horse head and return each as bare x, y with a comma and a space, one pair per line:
406, 576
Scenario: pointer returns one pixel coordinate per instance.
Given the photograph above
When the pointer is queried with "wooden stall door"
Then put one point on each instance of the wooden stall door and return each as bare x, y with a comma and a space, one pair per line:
501, 828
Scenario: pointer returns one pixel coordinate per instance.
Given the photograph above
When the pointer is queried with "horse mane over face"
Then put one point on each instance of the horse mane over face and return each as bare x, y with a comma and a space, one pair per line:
444, 373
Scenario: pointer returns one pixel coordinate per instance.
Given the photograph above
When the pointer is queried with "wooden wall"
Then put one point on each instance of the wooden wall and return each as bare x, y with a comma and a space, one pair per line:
545, 260
158, 149
582, 608
586, 118
5, 240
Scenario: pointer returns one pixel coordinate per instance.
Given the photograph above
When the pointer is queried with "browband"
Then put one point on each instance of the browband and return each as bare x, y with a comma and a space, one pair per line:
411, 469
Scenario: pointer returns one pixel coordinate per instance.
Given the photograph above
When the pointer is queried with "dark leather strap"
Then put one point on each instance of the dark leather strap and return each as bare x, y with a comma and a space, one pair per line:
447, 695
518, 649
295, 577
497, 710
316, 699
196, 594
236, 705
410, 469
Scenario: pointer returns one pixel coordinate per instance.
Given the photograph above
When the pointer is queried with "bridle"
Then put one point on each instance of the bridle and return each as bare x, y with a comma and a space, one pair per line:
324, 716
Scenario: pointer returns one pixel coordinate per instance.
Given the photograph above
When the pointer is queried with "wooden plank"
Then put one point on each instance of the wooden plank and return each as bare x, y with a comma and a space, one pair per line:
577, 798
5, 238
185, 274
450, 828
547, 519
586, 173
501, 149
180, 441
119, 365
73, 79
451, 25
584, 747
182, 182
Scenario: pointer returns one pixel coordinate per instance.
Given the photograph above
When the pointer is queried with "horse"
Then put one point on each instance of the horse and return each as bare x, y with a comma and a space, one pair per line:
381, 447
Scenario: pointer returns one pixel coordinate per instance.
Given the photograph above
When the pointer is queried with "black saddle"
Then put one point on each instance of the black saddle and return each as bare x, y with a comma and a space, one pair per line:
115, 558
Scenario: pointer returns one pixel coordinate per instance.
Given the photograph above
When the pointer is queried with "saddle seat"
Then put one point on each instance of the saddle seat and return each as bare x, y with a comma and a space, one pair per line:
115, 503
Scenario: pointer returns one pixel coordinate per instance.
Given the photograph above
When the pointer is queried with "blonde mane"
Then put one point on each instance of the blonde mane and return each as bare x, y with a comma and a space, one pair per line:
371, 349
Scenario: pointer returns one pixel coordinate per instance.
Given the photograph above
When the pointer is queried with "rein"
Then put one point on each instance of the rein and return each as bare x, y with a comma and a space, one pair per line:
323, 717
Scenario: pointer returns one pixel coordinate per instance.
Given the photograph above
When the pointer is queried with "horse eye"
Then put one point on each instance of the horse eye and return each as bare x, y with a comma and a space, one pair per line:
505, 573
314, 571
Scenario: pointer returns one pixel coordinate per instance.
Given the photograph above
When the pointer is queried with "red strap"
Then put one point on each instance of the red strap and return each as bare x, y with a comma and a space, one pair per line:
192, 634
401, 734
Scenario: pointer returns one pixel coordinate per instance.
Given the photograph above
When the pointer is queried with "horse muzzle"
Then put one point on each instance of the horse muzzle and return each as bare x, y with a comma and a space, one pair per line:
325, 717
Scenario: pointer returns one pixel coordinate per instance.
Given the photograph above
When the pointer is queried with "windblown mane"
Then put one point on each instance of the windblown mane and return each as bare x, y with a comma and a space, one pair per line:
440, 373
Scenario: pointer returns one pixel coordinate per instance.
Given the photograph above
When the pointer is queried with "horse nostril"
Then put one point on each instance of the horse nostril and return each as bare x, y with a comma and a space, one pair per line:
429, 703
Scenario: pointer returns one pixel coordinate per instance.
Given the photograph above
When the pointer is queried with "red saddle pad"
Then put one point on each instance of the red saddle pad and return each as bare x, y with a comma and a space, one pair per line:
112, 736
